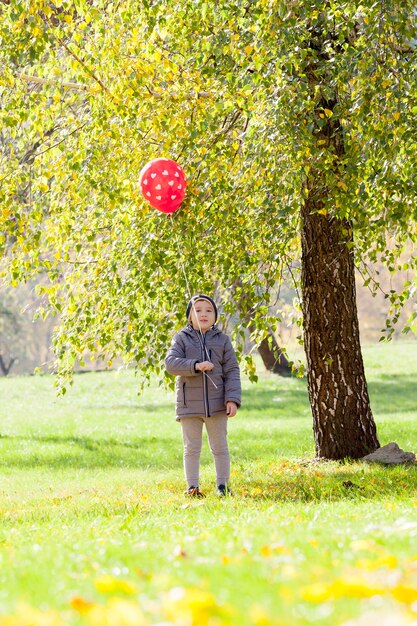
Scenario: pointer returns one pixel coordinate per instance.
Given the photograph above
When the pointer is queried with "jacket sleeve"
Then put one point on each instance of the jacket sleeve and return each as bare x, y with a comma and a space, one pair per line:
176, 362
231, 374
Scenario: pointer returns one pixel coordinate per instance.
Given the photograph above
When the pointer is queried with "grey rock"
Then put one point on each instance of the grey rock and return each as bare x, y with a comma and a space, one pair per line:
391, 454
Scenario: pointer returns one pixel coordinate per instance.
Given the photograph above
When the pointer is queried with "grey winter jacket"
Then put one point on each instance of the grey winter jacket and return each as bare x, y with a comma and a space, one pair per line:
199, 395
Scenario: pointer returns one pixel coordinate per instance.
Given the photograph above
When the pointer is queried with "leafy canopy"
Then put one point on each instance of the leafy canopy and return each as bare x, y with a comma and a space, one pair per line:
237, 93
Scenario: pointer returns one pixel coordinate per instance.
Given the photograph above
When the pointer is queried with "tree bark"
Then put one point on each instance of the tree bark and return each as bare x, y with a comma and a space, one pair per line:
342, 419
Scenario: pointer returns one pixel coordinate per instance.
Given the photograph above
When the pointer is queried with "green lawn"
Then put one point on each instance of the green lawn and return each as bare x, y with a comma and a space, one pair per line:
95, 530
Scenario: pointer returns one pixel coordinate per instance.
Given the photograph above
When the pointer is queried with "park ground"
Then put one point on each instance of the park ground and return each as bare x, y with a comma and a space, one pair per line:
95, 530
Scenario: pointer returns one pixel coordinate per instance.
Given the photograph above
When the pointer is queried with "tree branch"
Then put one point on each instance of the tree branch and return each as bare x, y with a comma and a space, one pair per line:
51, 81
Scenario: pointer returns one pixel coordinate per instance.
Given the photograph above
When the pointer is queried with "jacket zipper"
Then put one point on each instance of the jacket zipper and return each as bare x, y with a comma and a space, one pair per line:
205, 386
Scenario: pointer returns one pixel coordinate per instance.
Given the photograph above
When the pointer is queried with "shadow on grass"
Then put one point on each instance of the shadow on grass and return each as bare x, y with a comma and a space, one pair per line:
86, 452
356, 482
396, 394
393, 394
159, 452
390, 394
279, 403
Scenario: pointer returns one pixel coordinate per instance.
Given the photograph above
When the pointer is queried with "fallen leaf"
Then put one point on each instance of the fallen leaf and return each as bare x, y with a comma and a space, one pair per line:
110, 584
179, 552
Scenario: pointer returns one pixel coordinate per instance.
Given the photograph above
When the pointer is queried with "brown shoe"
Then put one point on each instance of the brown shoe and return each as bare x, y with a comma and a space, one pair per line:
194, 492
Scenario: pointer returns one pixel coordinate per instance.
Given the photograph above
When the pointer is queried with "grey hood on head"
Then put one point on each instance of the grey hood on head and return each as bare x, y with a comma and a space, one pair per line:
201, 296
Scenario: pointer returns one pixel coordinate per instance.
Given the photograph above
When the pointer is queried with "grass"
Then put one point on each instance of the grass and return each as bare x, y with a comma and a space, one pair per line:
94, 529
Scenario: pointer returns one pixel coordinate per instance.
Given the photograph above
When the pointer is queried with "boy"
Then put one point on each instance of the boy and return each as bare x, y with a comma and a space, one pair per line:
207, 390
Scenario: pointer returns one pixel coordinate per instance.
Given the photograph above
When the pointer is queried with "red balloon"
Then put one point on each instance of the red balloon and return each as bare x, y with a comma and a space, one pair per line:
162, 183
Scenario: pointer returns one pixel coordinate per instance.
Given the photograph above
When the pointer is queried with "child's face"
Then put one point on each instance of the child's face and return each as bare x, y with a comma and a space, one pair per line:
202, 315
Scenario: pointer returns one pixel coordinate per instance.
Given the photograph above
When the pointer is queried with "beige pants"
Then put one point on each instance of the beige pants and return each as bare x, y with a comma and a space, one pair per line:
192, 436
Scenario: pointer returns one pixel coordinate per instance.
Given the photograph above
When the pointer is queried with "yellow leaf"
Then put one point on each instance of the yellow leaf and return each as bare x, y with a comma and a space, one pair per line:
80, 605
110, 584
317, 592
26, 615
259, 617
266, 550
408, 595
362, 544
117, 613
43, 184
354, 589
389, 561
47, 11
193, 606
321, 592
342, 184
328, 112
396, 116
248, 49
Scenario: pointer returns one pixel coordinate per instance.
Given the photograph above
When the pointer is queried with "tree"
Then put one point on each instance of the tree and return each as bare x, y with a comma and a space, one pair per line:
24, 343
9, 329
295, 124
272, 355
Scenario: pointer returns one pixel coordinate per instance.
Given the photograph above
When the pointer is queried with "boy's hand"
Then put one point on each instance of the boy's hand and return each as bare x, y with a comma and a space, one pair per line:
231, 408
204, 366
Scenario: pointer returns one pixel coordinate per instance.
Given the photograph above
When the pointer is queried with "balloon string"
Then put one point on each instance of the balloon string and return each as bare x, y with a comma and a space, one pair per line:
201, 336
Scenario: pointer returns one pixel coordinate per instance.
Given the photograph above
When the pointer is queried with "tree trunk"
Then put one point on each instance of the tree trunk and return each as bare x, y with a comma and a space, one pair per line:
272, 356
342, 419
269, 350
5, 369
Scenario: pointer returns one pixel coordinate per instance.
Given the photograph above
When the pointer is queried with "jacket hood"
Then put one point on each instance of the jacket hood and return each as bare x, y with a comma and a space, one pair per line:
201, 296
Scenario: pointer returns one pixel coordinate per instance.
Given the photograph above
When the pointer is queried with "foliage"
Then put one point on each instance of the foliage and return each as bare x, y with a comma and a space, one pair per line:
95, 528
223, 88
